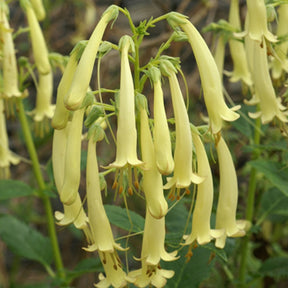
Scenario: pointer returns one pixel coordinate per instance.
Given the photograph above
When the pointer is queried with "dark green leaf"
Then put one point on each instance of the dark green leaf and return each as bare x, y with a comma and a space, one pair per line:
276, 267
118, 217
274, 172
24, 240
13, 188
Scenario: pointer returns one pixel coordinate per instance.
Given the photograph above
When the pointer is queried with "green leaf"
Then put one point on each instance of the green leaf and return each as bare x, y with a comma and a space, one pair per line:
13, 188
24, 240
118, 217
275, 172
276, 267
85, 266
192, 273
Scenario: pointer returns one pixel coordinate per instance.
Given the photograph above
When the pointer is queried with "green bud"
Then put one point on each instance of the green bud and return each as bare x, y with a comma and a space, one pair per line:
124, 40
104, 48
93, 115
96, 132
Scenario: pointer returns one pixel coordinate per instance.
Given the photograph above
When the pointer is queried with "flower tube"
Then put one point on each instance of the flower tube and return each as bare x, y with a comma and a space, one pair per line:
152, 252
82, 76
162, 141
257, 21
270, 105
210, 77
152, 179
102, 237
228, 197
10, 71
39, 9
201, 230
183, 175
39, 47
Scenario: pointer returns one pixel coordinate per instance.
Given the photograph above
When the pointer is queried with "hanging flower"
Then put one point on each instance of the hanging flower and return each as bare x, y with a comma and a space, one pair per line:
82, 76
152, 252
152, 179
201, 230
102, 237
270, 105
257, 21
10, 71
39, 47
228, 197
39, 9
237, 50
73, 213
162, 141
72, 173
126, 153
210, 77
183, 175
6, 156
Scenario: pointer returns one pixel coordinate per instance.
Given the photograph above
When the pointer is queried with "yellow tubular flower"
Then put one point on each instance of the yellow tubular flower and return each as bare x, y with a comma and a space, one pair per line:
270, 105
183, 175
39, 9
82, 76
228, 197
162, 141
220, 55
73, 213
152, 252
210, 77
280, 61
102, 237
152, 179
72, 173
201, 230
39, 47
257, 21
237, 50
6, 156
10, 71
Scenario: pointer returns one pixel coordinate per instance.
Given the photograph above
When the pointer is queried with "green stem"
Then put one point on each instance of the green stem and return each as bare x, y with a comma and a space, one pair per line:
249, 208
39, 178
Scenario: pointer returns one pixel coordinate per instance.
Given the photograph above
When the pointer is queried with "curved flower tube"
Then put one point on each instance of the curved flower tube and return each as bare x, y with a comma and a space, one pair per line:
152, 252
152, 179
228, 197
6, 156
39, 9
73, 213
82, 76
102, 237
270, 105
183, 175
39, 47
257, 21
201, 230
162, 141
210, 77
10, 71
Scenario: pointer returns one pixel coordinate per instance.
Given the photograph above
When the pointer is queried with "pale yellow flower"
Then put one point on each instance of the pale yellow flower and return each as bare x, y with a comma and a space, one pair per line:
152, 179
237, 50
201, 230
257, 21
152, 252
183, 175
39, 47
9, 63
279, 61
162, 141
82, 76
39, 9
270, 105
73, 213
102, 236
6, 156
72, 173
228, 198
209, 74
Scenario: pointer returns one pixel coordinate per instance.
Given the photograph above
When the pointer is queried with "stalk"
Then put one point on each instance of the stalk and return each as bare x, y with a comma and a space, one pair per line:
249, 208
40, 181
